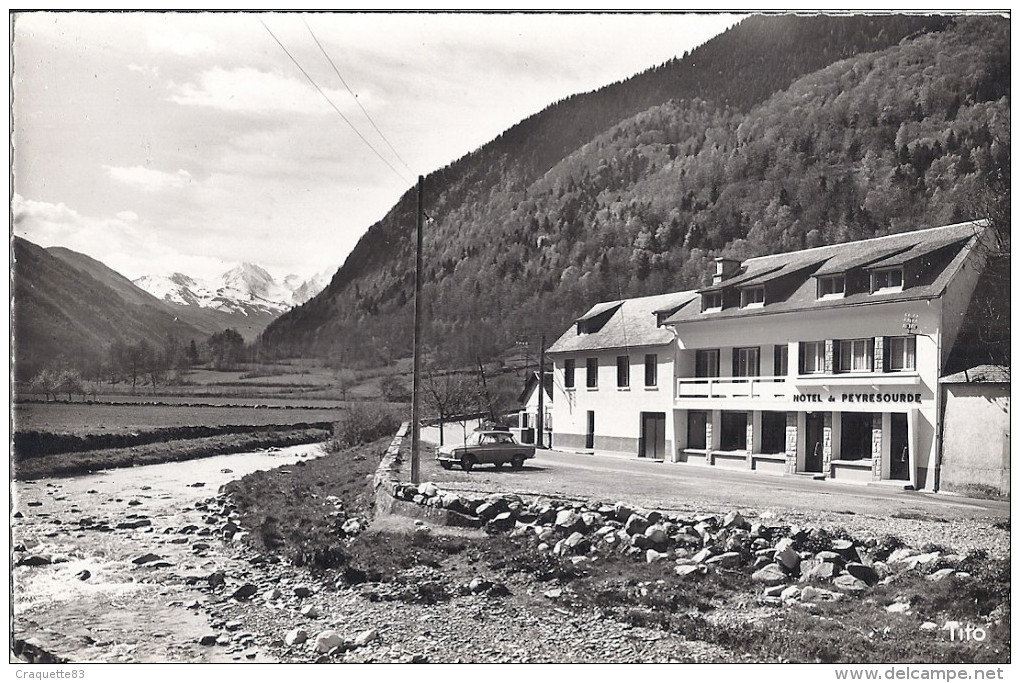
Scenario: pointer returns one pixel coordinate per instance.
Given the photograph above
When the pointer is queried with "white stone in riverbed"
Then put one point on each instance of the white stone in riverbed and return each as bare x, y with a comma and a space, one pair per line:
295, 637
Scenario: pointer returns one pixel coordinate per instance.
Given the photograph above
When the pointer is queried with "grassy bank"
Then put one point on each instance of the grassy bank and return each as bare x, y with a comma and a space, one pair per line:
74, 464
303, 515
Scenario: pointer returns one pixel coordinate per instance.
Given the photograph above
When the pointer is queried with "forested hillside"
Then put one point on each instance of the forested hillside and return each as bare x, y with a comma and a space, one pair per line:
783, 133
65, 317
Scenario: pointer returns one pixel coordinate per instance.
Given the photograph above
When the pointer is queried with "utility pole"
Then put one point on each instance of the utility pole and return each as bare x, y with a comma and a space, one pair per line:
541, 394
416, 383
485, 389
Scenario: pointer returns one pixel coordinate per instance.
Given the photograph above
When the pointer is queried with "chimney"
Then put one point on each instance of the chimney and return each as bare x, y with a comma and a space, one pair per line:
725, 268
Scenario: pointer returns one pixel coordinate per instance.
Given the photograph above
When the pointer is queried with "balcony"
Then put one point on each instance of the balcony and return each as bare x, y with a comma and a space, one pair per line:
731, 387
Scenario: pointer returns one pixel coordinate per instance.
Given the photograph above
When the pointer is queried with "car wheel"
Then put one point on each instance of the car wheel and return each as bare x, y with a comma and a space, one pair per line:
446, 465
498, 464
517, 462
467, 462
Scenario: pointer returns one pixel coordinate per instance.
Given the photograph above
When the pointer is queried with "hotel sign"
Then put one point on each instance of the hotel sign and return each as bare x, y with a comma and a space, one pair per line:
878, 397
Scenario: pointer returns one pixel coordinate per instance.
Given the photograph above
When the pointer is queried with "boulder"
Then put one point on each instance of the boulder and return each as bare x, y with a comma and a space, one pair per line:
504, 521
863, 572
576, 542
735, 520
366, 637
428, 489
83, 575
326, 641
790, 593
770, 575
652, 555
146, 558
622, 512
788, 558
208, 639
728, 560
830, 556
271, 594
685, 570
35, 560
657, 535
245, 591
812, 594
310, 612
702, 555
773, 591
849, 583
821, 571
640, 541
941, 574
846, 549
898, 608
479, 585
302, 591
569, 521
636, 524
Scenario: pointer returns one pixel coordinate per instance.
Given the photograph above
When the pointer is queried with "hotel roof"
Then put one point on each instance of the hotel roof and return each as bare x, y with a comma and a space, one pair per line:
808, 264
631, 323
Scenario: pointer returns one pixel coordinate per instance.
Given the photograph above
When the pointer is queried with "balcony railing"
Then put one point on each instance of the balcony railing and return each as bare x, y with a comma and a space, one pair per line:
731, 387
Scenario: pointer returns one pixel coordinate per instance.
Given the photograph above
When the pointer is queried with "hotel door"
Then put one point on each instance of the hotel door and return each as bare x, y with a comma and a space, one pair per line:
813, 430
899, 452
653, 436
589, 435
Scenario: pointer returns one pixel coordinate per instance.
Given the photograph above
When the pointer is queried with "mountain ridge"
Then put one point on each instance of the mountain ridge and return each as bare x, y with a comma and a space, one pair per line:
549, 217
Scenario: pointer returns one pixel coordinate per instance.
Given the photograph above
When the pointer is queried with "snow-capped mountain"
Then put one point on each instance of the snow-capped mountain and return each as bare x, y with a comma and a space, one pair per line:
246, 289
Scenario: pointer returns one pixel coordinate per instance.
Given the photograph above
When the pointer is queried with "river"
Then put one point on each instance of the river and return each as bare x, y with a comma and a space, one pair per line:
93, 602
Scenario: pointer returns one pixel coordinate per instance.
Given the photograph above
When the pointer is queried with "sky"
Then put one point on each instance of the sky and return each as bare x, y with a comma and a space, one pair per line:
189, 142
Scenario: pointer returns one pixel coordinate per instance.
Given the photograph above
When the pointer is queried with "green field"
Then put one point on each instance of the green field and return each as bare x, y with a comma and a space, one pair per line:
105, 418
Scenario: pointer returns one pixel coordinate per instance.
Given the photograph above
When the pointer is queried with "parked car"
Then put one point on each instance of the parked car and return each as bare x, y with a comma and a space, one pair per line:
487, 447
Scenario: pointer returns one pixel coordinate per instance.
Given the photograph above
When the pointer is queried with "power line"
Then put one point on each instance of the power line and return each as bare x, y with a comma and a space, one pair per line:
356, 100
335, 108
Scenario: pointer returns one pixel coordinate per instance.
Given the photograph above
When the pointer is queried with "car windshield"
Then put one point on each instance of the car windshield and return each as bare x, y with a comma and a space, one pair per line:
495, 438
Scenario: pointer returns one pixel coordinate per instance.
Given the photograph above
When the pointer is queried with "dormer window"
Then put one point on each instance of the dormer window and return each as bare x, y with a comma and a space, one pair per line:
752, 297
831, 286
887, 280
711, 301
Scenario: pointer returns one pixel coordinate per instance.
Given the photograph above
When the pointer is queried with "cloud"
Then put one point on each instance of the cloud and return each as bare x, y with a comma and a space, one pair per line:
183, 43
246, 89
149, 180
145, 69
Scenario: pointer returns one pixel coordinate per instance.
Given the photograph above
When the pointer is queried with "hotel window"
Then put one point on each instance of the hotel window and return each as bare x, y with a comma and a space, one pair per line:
812, 357
706, 363
782, 360
592, 373
623, 371
856, 355
568, 372
711, 301
900, 353
752, 296
651, 369
831, 286
745, 362
889, 279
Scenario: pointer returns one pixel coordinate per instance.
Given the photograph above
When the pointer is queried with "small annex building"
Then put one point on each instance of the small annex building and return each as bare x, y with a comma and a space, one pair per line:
824, 362
975, 431
526, 429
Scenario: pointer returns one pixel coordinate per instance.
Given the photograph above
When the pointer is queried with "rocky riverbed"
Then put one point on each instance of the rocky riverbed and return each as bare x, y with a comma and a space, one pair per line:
101, 560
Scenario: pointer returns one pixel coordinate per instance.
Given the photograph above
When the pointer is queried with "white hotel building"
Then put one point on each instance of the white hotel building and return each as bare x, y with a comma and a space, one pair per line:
824, 361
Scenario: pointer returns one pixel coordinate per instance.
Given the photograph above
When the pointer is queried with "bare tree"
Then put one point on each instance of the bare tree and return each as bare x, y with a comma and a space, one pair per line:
450, 395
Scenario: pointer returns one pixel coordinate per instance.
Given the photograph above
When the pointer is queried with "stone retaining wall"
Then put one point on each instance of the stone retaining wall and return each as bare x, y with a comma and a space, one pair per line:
391, 488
